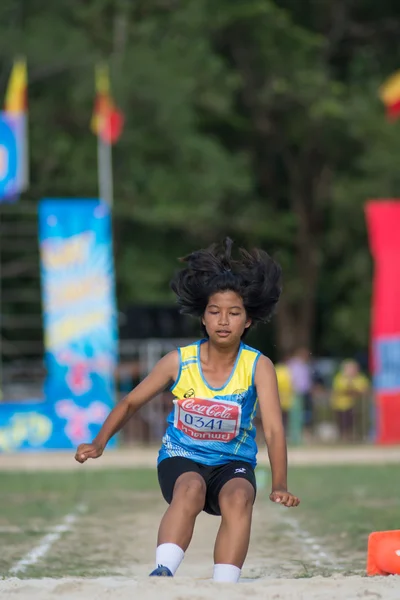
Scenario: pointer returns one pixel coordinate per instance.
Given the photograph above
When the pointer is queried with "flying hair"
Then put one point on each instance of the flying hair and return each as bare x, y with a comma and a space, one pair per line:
254, 275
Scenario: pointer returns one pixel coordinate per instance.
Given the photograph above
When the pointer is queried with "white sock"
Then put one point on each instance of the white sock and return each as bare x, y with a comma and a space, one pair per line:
170, 556
227, 573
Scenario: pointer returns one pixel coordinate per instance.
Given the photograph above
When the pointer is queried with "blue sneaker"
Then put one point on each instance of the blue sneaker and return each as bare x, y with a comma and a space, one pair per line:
161, 572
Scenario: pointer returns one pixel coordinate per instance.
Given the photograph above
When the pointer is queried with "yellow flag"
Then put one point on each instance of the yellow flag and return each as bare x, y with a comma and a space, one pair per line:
16, 95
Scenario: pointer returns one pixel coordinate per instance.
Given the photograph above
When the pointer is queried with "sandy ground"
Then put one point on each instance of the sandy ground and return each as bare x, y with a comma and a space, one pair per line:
284, 561
147, 457
318, 588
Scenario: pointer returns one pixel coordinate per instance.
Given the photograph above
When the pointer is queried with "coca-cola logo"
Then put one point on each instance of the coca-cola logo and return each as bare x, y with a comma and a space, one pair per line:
208, 409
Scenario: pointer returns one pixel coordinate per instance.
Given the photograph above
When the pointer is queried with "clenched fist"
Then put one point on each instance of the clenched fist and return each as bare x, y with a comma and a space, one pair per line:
285, 498
86, 451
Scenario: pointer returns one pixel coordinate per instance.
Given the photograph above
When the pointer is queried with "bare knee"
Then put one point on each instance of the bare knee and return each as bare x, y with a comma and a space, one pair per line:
190, 494
236, 499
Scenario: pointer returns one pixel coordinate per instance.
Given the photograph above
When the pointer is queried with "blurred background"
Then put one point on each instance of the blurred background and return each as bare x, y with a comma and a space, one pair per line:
262, 120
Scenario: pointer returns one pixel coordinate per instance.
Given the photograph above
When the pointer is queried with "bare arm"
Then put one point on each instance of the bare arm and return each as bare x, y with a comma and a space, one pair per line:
163, 373
271, 417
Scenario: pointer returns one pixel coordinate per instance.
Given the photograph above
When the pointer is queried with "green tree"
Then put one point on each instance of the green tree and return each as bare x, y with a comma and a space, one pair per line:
254, 118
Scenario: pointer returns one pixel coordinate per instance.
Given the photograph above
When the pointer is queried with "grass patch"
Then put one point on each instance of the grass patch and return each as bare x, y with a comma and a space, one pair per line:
33, 503
347, 503
48, 496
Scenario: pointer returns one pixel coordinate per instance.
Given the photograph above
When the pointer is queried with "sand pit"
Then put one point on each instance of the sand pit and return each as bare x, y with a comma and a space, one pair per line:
317, 588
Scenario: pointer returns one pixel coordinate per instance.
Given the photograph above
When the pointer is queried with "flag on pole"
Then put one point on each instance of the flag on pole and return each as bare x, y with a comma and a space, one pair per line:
16, 94
107, 119
14, 157
389, 93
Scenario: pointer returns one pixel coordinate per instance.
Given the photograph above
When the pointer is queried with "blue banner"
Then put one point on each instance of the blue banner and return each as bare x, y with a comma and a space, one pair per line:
38, 425
387, 363
79, 313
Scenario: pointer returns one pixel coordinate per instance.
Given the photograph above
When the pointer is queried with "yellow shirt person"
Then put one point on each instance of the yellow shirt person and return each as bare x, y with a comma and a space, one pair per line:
348, 386
285, 386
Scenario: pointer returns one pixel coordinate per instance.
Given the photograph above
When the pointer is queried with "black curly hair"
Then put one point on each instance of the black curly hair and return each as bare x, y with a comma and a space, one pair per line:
254, 276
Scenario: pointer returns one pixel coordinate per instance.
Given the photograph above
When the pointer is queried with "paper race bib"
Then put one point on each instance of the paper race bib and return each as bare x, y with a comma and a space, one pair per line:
204, 419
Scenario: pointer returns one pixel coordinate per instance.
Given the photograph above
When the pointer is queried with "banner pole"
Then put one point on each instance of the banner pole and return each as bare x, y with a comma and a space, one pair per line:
105, 171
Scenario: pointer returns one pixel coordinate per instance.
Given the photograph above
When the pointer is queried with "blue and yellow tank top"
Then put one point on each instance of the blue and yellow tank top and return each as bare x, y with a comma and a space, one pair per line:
210, 425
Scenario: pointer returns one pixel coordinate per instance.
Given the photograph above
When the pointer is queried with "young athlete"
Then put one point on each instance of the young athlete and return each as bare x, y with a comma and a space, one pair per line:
208, 453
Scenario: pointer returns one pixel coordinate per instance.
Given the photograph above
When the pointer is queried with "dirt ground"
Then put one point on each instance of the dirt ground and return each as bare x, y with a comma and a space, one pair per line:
284, 562
147, 457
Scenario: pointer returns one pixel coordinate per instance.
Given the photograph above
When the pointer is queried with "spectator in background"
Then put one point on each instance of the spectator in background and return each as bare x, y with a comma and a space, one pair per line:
349, 386
285, 387
301, 373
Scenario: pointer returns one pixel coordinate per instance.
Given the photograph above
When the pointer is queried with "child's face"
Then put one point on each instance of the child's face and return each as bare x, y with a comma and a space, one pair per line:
225, 318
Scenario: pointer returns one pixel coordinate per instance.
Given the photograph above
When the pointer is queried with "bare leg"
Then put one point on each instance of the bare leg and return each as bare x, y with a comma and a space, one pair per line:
188, 500
236, 502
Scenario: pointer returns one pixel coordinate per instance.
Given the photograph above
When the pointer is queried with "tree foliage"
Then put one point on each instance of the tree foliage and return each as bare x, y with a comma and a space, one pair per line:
256, 118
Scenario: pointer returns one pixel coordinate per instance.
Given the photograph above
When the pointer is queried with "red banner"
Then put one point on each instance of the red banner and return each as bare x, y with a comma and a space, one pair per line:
383, 220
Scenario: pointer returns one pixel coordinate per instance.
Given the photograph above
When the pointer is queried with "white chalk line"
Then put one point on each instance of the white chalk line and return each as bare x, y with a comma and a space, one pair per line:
309, 544
47, 541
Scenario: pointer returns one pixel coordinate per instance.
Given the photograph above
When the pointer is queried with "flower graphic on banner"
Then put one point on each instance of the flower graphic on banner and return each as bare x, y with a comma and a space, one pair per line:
78, 378
79, 418
78, 374
31, 428
79, 370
